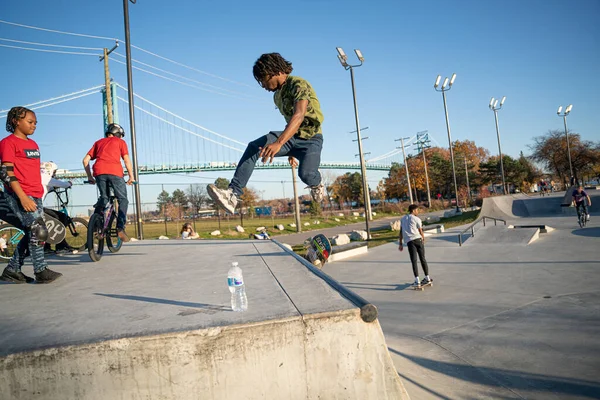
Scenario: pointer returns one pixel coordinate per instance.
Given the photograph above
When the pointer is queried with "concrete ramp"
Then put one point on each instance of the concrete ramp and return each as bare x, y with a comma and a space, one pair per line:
518, 206
503, 236
154, 322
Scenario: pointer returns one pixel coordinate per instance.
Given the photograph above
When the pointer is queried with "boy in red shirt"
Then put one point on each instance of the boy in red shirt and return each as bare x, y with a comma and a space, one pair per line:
108, 171
21, 202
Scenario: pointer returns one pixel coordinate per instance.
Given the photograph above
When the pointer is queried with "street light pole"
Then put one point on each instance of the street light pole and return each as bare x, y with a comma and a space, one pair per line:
495, 107
410, 196
134, 158
344, 61
445, 87
564, 115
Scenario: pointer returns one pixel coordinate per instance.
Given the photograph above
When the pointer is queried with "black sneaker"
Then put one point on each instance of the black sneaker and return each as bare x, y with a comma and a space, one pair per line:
47, 276
426, 281
15, 277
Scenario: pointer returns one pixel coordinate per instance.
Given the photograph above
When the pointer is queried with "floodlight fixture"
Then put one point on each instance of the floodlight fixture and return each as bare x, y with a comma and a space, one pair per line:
569, 108
341, 52
559, 110
452, 79
502, 101
437, 81
359, 55
492, 102
445, 83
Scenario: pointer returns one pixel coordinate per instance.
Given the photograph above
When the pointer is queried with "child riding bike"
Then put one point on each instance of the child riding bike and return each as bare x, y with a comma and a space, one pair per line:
108, 171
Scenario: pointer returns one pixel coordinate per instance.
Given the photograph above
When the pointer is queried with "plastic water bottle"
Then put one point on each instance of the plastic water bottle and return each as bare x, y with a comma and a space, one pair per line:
235, 281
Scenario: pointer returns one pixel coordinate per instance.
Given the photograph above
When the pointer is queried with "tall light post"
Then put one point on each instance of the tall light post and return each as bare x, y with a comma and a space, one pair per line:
564, 115
422, 145
134, 158
447, 85
494, 106
367, 198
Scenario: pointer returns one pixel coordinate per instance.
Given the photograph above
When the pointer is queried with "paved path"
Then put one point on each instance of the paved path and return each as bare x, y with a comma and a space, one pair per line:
502, 321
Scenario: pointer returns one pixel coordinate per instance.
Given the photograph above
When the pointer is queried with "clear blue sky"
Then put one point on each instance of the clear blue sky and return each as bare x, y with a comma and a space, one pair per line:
540, 54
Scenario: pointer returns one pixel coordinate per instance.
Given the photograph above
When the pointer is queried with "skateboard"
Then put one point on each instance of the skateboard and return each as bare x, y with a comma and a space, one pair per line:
56, 230
422, 287
318, 249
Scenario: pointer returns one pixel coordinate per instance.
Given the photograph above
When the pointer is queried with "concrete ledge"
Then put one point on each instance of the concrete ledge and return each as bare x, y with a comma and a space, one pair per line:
331, 356
434, 228
345, 251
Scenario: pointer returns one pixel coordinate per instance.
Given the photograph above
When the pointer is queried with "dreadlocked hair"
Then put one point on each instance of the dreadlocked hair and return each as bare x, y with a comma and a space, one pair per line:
15, 114
269, 65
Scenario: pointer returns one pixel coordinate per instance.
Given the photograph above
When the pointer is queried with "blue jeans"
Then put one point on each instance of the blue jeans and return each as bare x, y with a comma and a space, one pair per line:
307, 151
104, 183
23, 220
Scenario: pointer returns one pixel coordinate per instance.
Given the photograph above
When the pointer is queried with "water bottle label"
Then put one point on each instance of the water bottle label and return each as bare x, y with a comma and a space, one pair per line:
234, 282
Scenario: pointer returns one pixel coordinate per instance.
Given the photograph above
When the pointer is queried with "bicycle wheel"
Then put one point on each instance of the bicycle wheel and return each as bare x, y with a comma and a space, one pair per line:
95, 237
77, 239
13, 236
113, 241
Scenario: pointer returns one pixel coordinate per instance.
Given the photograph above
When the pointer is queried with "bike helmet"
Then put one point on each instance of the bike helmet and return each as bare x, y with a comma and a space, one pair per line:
115, 130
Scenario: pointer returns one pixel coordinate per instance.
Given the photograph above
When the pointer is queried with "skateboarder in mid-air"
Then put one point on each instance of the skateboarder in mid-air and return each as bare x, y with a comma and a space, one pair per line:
411, 230
301, 139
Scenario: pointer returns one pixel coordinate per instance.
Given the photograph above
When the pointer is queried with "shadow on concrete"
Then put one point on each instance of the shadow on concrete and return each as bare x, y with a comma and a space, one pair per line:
376, 286
508, 379
587, 232
166, 301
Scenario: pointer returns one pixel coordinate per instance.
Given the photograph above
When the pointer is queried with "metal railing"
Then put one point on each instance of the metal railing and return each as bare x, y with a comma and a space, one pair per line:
472, 227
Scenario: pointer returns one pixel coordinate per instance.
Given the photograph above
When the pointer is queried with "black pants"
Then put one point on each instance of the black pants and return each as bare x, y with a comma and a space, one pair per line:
416, 247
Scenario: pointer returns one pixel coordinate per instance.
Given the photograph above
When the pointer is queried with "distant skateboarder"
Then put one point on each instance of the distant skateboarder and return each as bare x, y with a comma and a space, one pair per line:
411, 230
301, 139
579, 197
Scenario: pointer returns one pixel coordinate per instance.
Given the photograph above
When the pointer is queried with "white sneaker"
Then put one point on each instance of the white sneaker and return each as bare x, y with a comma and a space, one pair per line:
224, 198
587, 217
317, 192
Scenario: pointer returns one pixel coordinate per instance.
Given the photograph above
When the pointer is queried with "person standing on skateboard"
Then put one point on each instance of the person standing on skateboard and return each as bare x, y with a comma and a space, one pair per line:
302, 137
411, 230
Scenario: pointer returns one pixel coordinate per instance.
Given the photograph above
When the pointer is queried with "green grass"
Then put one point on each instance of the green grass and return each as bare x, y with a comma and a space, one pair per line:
382, 237
205, 226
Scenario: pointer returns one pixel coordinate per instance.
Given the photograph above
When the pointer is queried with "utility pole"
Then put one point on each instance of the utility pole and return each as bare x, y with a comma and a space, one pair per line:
134, 157
109, 109
422, 144
467, 174
296, 201
406, 168
367, 195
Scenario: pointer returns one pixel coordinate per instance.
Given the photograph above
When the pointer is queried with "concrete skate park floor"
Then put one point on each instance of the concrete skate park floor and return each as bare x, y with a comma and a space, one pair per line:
153, 287
502, 321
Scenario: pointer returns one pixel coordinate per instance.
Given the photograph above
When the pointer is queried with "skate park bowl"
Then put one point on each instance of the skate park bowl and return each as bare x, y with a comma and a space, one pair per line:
155, 322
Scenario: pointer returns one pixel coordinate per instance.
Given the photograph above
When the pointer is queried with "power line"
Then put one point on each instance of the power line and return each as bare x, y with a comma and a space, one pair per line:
52, 45
55, 31
48, 51
136, 47
190, 68
183, 77
59, 97
56, 102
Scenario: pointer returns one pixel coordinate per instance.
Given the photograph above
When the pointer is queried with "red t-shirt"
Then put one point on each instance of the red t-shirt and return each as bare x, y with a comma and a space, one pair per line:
108, 152
24, 154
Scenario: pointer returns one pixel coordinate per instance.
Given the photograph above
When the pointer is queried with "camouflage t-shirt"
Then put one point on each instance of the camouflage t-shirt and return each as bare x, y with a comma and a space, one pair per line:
294, 90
